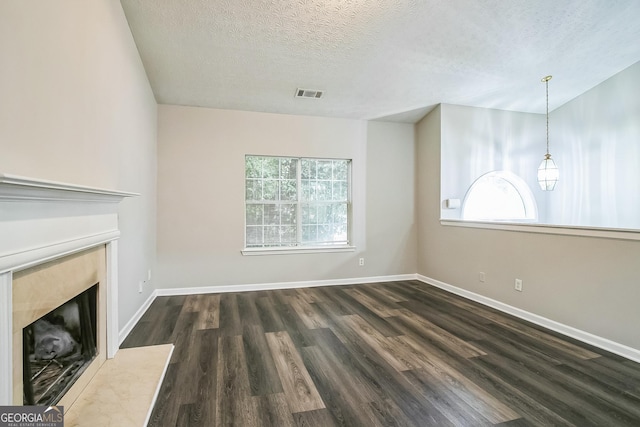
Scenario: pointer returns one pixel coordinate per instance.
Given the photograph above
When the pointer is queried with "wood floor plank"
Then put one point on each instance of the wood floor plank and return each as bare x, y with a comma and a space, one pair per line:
247, 309
274, 411
353, 306
263, 375
341, 366
376, 306
294, 326
230, 322
209, 311
386, 293
551, 393
383, 378
438, 335
299, 389
234, 400
192, 303
447, 403
384, 354
466, 390
307, 313
440, 316
379, 343
184, 415
317, 418
309, 295
269, 317
203, 409
339, 396
387, 413
163, 332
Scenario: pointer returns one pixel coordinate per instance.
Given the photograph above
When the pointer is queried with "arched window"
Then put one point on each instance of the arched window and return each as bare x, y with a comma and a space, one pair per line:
499, 196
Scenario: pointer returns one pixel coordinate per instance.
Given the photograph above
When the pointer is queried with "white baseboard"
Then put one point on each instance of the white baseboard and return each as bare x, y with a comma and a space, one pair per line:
603, 343
126, 330
281, 285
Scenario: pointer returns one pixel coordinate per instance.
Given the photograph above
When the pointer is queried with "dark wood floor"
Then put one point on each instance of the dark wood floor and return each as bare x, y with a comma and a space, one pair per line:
400, 353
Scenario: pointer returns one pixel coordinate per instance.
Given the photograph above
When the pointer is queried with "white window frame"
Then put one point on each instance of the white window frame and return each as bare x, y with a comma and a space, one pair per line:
304, 249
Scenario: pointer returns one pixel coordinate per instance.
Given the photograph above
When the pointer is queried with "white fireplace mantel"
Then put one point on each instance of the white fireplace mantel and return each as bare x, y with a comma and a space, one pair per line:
43, 220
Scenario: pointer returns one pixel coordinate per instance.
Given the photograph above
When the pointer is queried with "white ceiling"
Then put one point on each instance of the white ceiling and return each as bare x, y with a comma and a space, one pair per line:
381, 59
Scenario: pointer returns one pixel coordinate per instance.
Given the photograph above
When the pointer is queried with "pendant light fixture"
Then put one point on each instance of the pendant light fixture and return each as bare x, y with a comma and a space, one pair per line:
548, 173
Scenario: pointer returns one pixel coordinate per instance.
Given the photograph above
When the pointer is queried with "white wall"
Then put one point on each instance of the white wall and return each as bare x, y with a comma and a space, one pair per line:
76, 106
584, 282
593, 139
201, 195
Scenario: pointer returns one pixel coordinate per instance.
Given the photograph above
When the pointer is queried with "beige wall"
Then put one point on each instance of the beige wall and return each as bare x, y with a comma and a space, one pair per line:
587, 283
201, 195
76, 106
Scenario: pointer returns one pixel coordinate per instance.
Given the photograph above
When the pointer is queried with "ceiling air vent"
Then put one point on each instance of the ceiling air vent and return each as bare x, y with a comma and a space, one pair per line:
308, 93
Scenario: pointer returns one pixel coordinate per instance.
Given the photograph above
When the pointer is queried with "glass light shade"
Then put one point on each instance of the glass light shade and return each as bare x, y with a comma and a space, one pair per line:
548, 174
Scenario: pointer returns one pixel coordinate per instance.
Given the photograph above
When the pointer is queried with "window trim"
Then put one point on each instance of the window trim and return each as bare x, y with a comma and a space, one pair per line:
289, 250
301, 249
563, 230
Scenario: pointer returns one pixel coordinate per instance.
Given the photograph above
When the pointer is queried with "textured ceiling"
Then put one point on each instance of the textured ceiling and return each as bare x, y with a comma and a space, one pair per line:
389, 59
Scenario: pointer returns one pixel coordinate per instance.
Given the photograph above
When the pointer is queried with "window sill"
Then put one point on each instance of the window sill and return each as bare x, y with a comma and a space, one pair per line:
296, 250
566, 230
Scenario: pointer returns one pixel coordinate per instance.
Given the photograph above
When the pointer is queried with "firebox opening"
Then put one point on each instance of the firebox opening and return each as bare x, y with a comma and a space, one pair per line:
58, 347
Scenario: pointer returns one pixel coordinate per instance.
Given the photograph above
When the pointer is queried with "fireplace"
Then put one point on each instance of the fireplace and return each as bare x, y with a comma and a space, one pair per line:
58, 255
57, 348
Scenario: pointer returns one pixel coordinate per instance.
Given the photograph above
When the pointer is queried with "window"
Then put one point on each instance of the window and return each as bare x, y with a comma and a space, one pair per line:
499, 196
296, 202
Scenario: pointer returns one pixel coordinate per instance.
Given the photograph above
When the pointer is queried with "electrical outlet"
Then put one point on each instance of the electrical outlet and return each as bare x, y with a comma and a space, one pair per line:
148, 275
518, 285
481, 277
140, 283
361, 262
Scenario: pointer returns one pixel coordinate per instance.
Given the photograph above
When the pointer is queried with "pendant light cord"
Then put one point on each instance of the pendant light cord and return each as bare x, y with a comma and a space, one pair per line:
546, 82
547, 85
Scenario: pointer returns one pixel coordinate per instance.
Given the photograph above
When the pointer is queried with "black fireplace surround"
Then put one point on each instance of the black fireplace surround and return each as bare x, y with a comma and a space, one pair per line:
58, 347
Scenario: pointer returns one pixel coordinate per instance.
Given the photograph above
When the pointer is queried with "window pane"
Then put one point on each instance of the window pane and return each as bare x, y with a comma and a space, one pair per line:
270, 167
289, 235
254, 236
254, 214
321, 191
340, 190
288, 168
253, 189
309, 234
272, 235
288, 189
340, 213
270, 189
325, 169
308, 168
308, 189
340, 170
253, 167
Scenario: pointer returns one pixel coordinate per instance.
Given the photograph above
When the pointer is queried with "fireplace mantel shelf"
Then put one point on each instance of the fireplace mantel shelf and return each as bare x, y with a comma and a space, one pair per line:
19, 188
